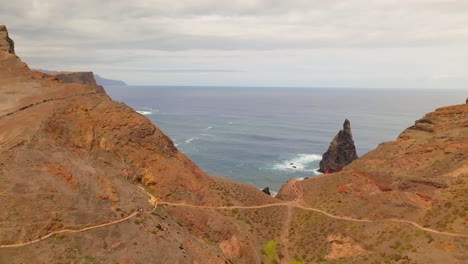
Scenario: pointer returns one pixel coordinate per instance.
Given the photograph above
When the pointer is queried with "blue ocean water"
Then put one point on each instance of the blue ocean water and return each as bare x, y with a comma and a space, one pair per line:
264, 136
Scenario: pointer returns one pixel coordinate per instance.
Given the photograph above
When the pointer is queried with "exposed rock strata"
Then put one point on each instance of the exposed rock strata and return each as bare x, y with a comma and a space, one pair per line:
341, 151
343, 247
79, 77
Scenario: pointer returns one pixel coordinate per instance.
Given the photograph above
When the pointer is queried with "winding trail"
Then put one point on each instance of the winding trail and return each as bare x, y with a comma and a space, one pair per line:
297, 203
284, 238
68, 231
45, 101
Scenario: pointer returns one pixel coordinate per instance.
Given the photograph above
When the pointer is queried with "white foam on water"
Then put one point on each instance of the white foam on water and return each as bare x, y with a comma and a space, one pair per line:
301, 162
188, 141
144, 112
147, 110
208, 128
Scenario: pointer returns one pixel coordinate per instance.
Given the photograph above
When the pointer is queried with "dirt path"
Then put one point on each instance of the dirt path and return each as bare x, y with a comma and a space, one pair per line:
152, 200
69, 231
424, 228
45, 101
284, 236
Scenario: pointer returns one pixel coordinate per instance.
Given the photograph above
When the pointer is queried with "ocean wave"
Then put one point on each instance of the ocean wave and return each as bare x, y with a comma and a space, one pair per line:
301, 162
147, 110
208, 128
144, 112
190, 140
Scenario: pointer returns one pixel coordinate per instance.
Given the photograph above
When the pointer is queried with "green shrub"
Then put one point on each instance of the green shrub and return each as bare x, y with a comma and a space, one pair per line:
270, 251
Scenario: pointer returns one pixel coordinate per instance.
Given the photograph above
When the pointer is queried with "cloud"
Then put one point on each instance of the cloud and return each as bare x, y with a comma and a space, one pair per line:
139, 33
228, 25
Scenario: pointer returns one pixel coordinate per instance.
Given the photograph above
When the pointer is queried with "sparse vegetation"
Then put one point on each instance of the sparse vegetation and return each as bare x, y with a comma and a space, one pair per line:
270, 251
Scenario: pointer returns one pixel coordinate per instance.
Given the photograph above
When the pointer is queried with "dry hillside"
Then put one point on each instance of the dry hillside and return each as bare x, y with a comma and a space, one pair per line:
84, 179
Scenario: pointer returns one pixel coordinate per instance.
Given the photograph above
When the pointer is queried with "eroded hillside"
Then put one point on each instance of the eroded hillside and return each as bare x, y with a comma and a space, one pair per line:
84, 179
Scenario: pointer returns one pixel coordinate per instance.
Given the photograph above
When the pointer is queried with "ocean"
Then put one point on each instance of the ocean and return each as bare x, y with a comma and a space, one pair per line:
264, 135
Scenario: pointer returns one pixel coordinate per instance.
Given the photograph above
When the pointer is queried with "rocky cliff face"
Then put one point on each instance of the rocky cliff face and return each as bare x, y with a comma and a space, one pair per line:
6, 43
341, 151
79, 77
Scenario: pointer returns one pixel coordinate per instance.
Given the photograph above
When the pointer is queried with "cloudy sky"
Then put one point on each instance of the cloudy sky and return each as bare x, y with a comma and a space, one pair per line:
309, 43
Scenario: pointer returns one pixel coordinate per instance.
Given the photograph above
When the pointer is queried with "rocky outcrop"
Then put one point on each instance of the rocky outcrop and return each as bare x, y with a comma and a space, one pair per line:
79, 77
342, 246
6, 43
266, 190
76, 77
341, 151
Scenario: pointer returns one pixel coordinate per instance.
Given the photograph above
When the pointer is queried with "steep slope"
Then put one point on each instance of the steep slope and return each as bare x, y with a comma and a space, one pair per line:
72, 158
419, 179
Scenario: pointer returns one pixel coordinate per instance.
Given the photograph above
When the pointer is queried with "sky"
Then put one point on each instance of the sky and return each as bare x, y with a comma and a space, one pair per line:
305, 43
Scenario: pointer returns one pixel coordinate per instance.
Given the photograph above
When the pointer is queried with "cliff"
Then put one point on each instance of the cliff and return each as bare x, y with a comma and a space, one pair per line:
108, 82
73, 159
84, 179
95, 78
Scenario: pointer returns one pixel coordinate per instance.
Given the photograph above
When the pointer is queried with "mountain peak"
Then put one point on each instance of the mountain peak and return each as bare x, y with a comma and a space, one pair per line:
6, 43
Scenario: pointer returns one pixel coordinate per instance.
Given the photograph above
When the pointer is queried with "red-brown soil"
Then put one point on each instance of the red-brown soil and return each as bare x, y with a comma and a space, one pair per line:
84, 179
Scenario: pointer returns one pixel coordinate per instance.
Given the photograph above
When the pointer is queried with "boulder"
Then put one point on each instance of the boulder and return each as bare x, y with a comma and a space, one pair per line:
341, 151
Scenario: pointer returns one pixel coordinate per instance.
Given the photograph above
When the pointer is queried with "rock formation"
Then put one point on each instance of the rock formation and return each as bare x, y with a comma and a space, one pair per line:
341, 151
6, 43
266, 190
79, 77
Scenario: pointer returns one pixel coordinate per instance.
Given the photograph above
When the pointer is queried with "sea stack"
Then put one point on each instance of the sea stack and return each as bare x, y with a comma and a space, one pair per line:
6, 43
266, 190
341, 151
